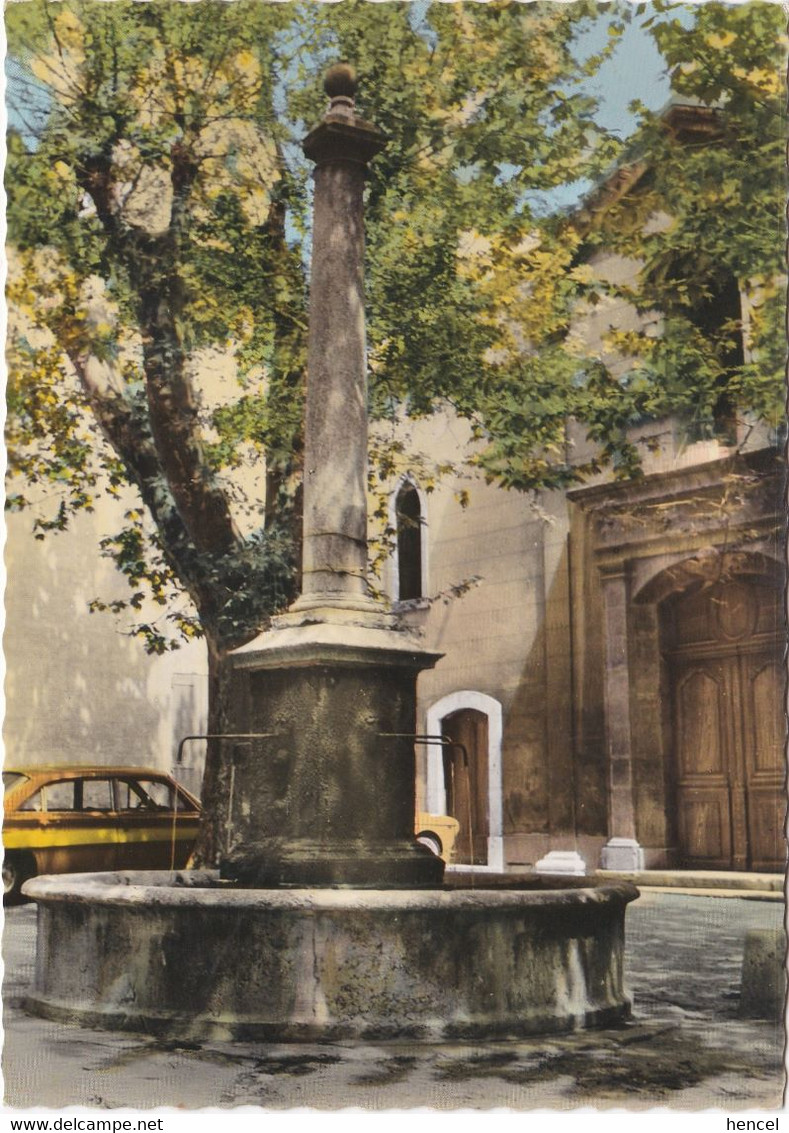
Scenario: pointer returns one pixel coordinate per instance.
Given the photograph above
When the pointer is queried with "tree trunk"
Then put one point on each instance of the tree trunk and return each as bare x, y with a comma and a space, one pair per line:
216, 775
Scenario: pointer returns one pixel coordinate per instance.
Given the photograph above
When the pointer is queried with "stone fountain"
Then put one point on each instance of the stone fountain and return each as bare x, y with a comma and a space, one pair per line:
326, 919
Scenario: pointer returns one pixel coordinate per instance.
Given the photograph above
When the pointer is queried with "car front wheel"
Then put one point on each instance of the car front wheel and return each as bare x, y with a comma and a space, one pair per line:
431, 840
17, 869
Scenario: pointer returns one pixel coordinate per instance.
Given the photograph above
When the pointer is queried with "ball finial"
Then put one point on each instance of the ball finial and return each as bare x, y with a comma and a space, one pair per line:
340, 81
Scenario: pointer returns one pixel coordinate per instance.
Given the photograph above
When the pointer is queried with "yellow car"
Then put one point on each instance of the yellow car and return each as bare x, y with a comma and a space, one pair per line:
438, 832
77, 819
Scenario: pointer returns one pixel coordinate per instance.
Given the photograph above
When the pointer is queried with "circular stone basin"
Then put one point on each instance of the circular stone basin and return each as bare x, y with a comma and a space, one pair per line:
184, 955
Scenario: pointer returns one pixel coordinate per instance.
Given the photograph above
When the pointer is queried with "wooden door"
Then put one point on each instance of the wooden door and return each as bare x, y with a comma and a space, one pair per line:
466, 781
763, 683
701, 738
728, 725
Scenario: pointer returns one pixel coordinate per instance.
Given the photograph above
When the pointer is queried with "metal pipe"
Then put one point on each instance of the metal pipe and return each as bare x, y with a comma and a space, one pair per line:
444, 741
222, 736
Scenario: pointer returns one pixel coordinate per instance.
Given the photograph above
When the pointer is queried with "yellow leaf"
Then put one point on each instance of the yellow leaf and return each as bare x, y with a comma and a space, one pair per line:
582, 274
767, 81
719, 40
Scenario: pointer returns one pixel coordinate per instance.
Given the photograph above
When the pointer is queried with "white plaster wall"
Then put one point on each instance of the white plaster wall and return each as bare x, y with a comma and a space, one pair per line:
492, 635
77, 688
487, 633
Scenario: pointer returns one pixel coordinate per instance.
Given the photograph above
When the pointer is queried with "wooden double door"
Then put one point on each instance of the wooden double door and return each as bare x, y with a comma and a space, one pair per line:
725, 659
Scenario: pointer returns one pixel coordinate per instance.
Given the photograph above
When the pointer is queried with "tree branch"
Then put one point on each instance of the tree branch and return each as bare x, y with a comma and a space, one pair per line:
152, 263
122, 429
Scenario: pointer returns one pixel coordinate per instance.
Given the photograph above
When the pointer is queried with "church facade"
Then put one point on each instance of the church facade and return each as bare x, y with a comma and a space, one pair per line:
612, 686
612, 679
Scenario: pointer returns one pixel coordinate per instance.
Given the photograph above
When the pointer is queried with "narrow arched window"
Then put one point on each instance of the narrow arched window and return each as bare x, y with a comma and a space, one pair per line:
719, 318
409, 519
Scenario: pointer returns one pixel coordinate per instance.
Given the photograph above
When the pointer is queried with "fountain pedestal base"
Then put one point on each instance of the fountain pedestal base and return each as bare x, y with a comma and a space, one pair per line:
182, 955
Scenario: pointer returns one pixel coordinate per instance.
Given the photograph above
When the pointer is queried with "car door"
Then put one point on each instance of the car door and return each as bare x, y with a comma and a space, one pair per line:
69, 824
95, 829
157, 823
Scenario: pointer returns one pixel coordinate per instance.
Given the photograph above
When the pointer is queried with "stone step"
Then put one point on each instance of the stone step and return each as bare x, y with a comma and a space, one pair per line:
708, 880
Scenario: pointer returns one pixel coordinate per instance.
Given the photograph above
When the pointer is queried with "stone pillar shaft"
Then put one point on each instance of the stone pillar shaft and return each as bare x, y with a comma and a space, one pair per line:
622, 850
326, 797
617, 705
335, 457
334, 557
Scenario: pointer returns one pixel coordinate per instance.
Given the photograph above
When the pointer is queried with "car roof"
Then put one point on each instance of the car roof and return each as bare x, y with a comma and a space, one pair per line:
35, 777
75, 769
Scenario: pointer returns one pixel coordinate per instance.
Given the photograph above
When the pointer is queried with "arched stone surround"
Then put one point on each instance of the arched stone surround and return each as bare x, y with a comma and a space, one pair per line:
652, 540
436, 792
652, 726
655, 581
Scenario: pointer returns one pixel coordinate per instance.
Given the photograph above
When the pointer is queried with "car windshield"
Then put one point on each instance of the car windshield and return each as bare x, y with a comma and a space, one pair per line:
11, 778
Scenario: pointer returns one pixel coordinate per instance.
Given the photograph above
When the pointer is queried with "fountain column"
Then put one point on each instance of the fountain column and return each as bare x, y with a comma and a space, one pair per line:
328, 796
334, 564
323, 798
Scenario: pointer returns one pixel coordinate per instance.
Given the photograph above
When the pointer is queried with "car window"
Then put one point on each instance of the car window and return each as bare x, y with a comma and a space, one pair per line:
11, 778
146, 794
184, 802
96, 794
51, 797
35, 802
161, 793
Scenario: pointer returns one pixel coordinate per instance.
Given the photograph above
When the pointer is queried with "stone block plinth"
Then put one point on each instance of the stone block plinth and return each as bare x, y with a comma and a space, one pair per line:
562, 862
328, 797
763, 989
622, 854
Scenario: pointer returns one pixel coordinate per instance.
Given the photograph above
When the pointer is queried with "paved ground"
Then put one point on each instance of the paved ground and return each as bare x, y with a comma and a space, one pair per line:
686, 1048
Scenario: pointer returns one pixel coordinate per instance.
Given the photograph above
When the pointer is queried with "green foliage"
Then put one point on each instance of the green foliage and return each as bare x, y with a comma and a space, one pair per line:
158, 208
147, 227
716, 175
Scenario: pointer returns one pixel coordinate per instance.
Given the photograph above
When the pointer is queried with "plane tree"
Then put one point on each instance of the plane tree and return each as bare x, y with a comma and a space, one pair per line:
158, 224
704, 219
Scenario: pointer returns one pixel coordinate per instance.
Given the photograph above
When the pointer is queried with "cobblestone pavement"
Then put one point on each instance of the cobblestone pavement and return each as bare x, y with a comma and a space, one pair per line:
686, 1047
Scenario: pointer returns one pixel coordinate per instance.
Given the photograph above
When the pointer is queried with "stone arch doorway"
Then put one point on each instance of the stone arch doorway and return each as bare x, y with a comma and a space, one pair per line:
722, 645
470, 791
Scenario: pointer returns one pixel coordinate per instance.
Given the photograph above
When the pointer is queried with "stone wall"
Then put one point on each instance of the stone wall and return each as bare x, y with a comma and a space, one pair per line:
78, 689
532, 632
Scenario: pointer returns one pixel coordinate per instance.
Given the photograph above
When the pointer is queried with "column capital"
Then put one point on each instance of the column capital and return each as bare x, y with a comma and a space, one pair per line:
338, 139
342, 135
614, 572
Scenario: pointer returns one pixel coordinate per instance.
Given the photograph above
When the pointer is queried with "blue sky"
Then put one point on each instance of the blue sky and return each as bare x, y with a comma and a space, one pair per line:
635, 70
